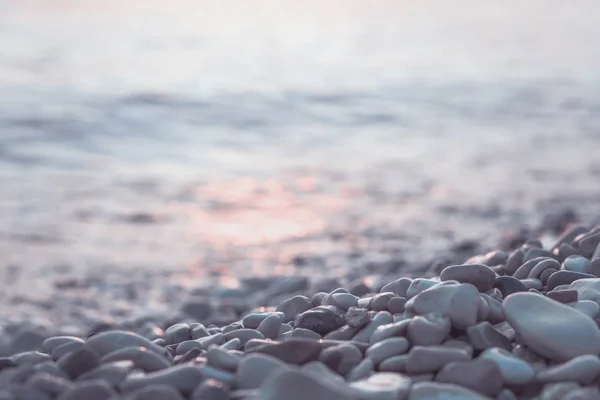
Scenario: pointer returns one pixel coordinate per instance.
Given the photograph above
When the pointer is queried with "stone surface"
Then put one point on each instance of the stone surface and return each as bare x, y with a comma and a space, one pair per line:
480, 375
142, 359
483, 336
442, 391
560, 278
387, 348
479, 275
583, 370
422, 359
294, 306
297, 385
428, 329
514, 370
293, 351
382, 386
322, 319
509, 285
568, 333
341, 358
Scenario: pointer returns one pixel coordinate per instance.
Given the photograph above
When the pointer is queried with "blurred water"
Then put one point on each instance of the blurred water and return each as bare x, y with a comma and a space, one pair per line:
143, 130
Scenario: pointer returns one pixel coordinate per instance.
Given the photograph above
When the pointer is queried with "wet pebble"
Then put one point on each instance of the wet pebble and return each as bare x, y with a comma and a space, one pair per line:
322, 319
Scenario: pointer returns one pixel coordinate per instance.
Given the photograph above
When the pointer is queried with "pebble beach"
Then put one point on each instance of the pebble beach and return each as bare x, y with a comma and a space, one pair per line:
320, 200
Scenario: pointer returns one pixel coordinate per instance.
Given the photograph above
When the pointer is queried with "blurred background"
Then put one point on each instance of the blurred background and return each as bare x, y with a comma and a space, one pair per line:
268, 137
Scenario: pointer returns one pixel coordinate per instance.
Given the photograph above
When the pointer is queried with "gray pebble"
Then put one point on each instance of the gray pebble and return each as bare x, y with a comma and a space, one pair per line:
524, 270
341, 358
563, 296
182, 377
429, 329
357, 317
387, 348
217, 338
109, 341
394, 364
396, 305
244, 335
418, 285
399, 287
197, 308
292, 351
382, 386
322, 319
297, 385
188, 345
344, 300
442, 391
479, 275
53, 342
557, 391
346, 332
30, 357
60, 351
479, 375
50, 384
587, 393
270, 326
583, 370
539, 268
380, 319
429, 359
156, 392
78, 362
322, 372
255, 368
233, 344
565, 278
576, 263
483, 336
198, 331
317, 299
177, 333
294, 306
222, 359
389, 330
24, 392
514, 261
300, 333
143, 359
210, 389
217, 374
379, 301
89, 390
361, 370
113, 373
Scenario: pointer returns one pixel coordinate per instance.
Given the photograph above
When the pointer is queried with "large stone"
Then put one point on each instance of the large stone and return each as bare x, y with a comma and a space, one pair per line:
583, 369
479, 275
442, 391
514, 370
322, 319
552, 329
428, 330
298, 385
382, 386
109, 341
293, 351
255, 368
480, 375
459, 302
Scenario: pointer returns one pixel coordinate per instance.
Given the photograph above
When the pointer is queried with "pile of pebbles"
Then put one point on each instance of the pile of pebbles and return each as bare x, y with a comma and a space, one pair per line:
518, 325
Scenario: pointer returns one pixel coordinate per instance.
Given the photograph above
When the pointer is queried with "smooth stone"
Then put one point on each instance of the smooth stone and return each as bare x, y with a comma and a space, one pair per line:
567, 334
394, 364
382, 386
345, 300
560, 278
442, 391
177, 333
506, 394
588, 307
588, 243
495, 314
514, 370
253, 320
198, 330
483, 336
509, 285
586, 393
66, 348
524, 270
357, 317
78, 362
322, 319
390, 330
317, 299
222, 359
583, 369
156, 392
514, 261
380, 301
362, 370
533, 283
480, 375
188, 345
396, 305
226, 377
563, 296
190, 356
113, 373
546, 275
48, 383
398, 287
244, 335
341, 358
479, 275
294, 306
210, 389
270, 326
422, 359
594, 267
321, 371
387, 348
557, 391
346, 332
182, 377
30, 357
459, 302
53, 342
22, 392
544, 265
298, 385
300, 333
588, 289
109, 341
89, 390
233, 344
569, 235
216, 338
576, 263
429, 329
292, 351
418, 285
197, 308
380, 319
147, 361
26, 339
461, 345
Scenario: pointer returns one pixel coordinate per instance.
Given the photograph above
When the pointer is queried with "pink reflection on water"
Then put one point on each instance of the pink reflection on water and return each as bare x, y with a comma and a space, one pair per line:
246, 211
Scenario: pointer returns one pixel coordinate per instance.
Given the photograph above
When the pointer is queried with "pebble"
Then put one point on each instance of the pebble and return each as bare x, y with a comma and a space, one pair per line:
560, 278
298, 385
566, 335
156, 392
177, 333
576, 263
557, 391
95, 389
509, 285
113, 373
588, 307
480, 375
514, 261
479, 275
382, 386
294, 306
322, 371
296, 351
322, 319
387, 348
30, 357
442, 391
459, 302
563, 296
341, 358
422, 359
514, 370
418, 285
109, 341
357, 317
188, 345
428, 330
78, 362
182, 377
53, 342
210, 389
346, 332
65, 348
49, 384
394, 364
583, 370
389, 330
483, 336
143, 359
396, 305
380, 319
587, 289
380, 301
399, 287
244, 335
345, 300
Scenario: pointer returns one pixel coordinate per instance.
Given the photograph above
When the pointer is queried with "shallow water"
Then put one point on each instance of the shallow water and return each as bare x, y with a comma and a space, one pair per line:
208, 134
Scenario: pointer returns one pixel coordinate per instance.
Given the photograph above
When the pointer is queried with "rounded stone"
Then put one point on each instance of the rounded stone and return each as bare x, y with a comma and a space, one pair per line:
53, 342
483, 336
429, 329
560, 278
322, 319
270, 326
514, 370
357, 317
479, 275
442, 391
480, 375
78, 362
156, 392
509, 285
294, 306
382, 386
576, 263
387, 348
563, 296
182, 377
113, 373
109, 341
341, 358
422, 359
568, 334
299, 385
177, 333
583, 370
95, 389
143, 359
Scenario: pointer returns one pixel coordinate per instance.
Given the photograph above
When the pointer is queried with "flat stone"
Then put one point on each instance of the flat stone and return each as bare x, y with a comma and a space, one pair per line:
177, 333
298, 385
399, 287
546, 264
210, 389
89, 390
222, 359
244, 335
66, 348
113, 373
208, 372
588, 307
514, 370
524, 270
418, 285
156, 392
380, 301
569, 235
387, 348
182, 377
532, 283
514, 261
586, 393
429, 329
583, 370
48, 383
389, 330
568, 334
198, 331
382, 386
346, 332
588, 289
109, 341
357, 317
143, 359
188, 345
78, 362
380, 319
293, 351
30, 357
557, 391
588, 243
560, 278
321, 371
53, 342
422, 359
459, 302
480, 375
341, 358
563, 296
509, 285
479, 275
17, 391
442, 391
322, 319
294, 306
576, 263
26, 339
362, 370
483, 336
396, 305
394, 364
345, 300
